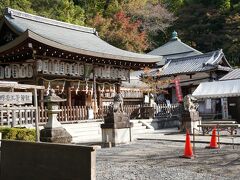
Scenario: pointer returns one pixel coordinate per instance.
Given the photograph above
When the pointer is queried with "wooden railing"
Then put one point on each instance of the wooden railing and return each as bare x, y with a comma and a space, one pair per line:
164, 110
17, 116
77, 113
26, 115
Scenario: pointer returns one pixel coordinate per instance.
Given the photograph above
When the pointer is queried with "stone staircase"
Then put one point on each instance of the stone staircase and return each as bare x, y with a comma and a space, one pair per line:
85, 131
91, 131
141, 126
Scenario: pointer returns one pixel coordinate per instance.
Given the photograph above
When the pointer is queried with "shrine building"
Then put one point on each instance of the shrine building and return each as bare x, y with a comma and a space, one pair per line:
69, 58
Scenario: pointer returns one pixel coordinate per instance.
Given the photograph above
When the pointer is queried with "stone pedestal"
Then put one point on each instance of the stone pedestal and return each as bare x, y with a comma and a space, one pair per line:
56, 135
115, 136
53, 130
116, 129
190, 120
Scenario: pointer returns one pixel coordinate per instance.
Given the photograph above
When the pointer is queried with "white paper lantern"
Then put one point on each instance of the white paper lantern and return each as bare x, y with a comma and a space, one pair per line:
39, 65
51, 69
81, 69
22, 73
76, 69
1, 72
56, 67
67, 68
127, 74
107, 72
62, 68
30, 71
97, 72
7, 72
71, 69
45, 67
15, 70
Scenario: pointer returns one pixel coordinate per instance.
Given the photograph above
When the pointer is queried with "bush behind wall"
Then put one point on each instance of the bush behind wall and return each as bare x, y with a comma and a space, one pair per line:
23, 134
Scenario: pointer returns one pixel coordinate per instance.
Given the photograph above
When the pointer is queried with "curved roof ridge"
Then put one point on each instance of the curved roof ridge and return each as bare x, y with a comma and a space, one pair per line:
173, 47
12, 12
184, 44
193, 57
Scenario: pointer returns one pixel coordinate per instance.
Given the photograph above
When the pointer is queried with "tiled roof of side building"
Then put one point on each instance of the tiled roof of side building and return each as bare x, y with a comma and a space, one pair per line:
69, 36
198, 63
235, 74
175, 48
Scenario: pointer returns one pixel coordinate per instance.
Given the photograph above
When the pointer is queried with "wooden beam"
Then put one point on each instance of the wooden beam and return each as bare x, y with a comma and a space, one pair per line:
15, 85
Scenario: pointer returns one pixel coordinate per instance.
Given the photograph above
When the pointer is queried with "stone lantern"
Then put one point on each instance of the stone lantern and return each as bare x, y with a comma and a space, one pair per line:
53, 130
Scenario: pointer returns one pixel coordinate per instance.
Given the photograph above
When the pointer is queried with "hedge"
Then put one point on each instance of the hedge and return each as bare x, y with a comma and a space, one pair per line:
24, 134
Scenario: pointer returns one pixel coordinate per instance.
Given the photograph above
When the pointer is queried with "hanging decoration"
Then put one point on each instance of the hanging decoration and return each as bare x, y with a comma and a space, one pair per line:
78, 87
63, 87
48, 88
86, 87
91, 91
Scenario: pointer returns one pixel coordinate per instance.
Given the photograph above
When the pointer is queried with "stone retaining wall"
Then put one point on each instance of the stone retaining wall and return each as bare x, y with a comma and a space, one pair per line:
38, 161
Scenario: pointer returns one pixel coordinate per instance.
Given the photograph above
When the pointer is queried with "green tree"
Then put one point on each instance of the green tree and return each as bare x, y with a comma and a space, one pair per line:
22, 5
211, 25
63, 10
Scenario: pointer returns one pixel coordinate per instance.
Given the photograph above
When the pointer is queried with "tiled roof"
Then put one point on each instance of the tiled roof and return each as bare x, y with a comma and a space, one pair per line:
70, 36
198, 63
235, 74
175, 48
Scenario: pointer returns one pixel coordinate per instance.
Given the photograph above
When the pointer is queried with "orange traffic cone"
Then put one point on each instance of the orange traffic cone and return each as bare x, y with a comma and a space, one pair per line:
188, 153
213, 143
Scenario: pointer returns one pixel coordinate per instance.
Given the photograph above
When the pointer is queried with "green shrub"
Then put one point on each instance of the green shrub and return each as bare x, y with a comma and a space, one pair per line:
24, 134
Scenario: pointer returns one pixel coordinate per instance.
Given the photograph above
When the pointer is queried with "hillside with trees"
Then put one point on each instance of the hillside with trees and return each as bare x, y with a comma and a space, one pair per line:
142, 25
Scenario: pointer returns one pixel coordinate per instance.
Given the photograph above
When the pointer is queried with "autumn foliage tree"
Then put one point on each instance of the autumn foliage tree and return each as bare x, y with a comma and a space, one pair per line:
121, 31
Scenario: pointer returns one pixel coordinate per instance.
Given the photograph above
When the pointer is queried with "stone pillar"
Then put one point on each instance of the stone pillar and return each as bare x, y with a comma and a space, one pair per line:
53, 130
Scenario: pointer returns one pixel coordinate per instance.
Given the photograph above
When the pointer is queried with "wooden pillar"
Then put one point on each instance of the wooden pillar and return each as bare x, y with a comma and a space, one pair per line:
41, 93
69, 95
41, 98
95, 108
99, 100
36, 116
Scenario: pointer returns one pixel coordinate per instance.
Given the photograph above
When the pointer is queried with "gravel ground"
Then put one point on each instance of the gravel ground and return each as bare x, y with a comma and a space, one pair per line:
155, 160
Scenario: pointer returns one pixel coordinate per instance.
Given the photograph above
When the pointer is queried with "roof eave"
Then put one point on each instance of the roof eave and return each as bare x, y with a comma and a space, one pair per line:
55, 44
20, 39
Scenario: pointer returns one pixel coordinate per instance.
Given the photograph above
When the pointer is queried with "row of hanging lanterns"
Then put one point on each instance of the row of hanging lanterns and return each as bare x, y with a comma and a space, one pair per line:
16, 71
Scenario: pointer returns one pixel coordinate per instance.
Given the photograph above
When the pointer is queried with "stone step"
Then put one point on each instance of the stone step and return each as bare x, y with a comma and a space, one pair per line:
83, 125
140, 131
139, 128
91, 131
83, 133
83, 139
87, 129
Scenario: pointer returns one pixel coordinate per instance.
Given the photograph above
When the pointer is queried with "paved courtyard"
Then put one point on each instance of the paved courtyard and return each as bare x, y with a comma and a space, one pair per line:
159, 159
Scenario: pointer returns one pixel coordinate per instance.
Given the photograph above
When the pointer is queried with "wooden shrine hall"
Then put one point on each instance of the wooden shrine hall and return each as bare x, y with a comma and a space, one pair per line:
71, 59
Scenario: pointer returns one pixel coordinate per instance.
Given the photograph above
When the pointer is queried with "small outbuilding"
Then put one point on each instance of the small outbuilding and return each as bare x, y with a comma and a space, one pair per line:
221, 97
